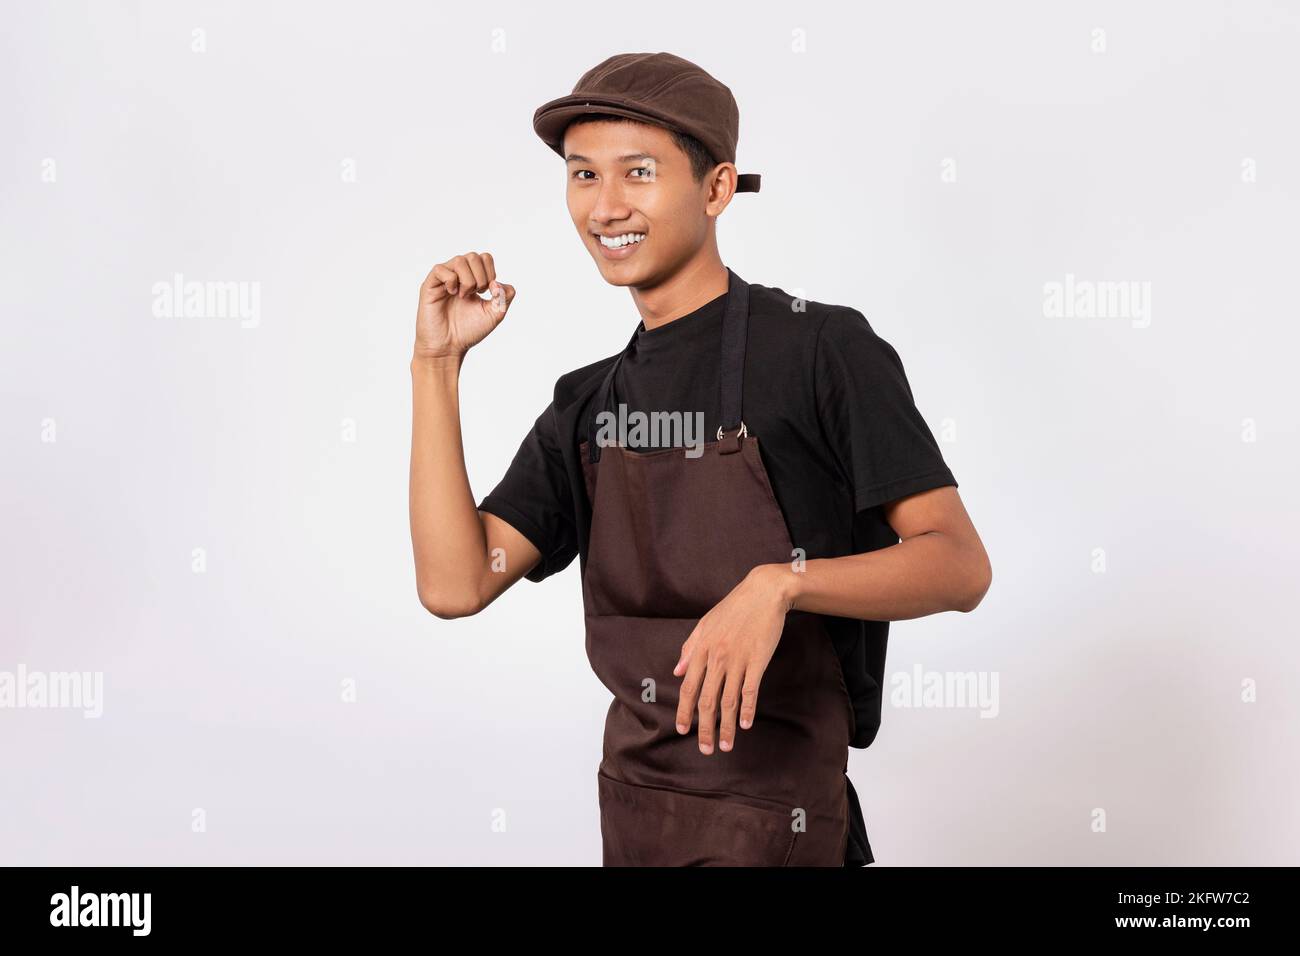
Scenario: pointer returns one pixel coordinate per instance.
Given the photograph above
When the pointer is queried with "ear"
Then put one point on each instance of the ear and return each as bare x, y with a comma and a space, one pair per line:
722, 186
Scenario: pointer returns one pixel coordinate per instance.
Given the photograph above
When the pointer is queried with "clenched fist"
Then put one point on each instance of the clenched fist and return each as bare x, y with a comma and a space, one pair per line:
452, 317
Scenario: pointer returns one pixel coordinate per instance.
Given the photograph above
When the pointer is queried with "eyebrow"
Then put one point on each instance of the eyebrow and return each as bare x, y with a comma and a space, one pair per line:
577, 158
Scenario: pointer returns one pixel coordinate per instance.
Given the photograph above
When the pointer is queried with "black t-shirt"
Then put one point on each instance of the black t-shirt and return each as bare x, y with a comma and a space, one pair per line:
840, 435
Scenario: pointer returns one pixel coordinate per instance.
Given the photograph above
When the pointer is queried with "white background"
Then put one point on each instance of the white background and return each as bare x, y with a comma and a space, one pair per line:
1118, 691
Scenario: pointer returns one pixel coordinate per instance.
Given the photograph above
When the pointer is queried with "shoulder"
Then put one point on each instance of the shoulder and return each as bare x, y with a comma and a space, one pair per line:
847, 335
806, 325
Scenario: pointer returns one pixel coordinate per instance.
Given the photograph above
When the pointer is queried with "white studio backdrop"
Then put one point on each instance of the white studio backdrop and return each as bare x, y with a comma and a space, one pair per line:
209, 512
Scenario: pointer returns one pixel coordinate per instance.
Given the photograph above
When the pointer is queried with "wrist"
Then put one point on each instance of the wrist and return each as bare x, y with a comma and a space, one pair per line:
436, 363
781, 581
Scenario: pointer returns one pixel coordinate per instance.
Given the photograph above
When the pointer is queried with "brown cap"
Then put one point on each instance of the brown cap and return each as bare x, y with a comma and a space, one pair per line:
654, 88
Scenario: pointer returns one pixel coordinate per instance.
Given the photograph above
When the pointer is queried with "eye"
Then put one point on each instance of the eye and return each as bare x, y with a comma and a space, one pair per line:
578, 173
643, 169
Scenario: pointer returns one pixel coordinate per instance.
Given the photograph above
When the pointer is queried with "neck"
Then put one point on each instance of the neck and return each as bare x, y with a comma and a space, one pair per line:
698, 282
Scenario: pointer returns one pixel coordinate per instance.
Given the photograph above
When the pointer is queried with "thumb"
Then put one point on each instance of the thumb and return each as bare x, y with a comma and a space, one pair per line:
502, 296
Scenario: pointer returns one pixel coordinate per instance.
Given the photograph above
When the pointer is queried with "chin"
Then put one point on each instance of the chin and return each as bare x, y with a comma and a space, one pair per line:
621, 273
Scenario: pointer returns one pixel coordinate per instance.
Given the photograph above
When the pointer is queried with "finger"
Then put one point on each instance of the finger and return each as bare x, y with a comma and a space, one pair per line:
684, 658
710, 691
465, 281
694, 673
444, 282
450, 280
749, 697
727, 708
479, 270
489, 265
497, 305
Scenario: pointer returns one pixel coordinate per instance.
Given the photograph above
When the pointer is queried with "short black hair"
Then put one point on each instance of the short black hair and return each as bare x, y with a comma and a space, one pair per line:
701, 160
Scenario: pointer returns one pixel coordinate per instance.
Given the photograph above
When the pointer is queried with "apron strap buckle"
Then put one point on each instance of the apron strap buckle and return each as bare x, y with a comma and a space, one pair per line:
731, 444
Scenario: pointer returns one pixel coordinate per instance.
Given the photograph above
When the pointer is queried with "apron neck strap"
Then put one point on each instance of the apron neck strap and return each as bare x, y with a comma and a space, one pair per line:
731, 368
601, 403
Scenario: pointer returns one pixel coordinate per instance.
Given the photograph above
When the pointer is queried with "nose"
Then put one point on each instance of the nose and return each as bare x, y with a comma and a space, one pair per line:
611, 205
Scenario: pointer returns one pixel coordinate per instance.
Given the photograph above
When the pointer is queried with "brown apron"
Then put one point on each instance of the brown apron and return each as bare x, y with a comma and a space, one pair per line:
670, 536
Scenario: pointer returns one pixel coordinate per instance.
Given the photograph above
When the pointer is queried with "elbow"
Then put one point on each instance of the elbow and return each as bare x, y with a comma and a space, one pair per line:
981, 578
449, 607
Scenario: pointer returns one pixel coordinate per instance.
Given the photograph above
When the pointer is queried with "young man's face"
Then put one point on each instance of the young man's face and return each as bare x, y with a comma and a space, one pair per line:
632, 178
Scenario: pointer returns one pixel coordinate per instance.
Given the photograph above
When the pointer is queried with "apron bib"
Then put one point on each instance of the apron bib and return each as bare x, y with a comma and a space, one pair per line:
670, 536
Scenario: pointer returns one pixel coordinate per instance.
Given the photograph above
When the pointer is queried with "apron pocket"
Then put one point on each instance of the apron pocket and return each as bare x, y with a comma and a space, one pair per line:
652, 826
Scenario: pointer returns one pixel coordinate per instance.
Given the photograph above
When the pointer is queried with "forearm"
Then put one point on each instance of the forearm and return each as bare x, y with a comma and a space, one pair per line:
445, 524
921, 575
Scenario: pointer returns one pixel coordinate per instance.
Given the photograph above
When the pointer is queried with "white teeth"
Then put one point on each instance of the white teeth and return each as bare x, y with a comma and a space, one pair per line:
623, 240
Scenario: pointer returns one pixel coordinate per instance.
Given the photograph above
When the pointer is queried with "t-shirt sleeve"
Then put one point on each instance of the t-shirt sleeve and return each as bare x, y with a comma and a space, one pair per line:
534, 498
880, 441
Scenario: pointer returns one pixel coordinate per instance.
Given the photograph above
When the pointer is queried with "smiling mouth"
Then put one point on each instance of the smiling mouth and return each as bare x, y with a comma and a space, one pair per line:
621, 246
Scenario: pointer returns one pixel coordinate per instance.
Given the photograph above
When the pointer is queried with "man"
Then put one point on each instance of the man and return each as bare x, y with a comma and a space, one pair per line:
739, 593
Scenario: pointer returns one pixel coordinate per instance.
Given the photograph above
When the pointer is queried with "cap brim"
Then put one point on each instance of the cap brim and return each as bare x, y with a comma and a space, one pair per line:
551, 119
